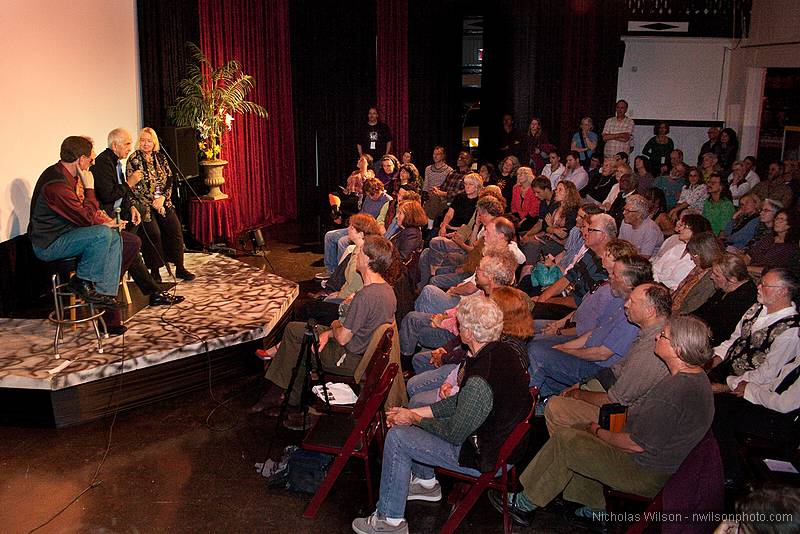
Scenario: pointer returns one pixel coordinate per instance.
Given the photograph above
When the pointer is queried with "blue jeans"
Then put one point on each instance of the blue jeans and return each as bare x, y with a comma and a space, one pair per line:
441, 252
100, 251
423, 389
409, 449
430, 379
433, 300
421, 363
416, 328
552, 370
333, 247
393, 229
448, 280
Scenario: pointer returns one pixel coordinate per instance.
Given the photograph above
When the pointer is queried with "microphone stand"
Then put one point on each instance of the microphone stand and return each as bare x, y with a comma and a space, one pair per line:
180, 176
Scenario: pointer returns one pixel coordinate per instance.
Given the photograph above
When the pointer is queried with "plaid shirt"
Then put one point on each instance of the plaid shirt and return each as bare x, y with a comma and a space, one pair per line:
453, 185
613, 126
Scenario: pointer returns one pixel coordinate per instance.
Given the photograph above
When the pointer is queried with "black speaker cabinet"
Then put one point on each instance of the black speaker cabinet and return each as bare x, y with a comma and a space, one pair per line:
181, 143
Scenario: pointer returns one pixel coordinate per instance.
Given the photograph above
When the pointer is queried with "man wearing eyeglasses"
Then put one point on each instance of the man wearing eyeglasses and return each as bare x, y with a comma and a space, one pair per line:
627, 381
768, 329
756, 383
638, 228
66, 221
557, 367
585, 271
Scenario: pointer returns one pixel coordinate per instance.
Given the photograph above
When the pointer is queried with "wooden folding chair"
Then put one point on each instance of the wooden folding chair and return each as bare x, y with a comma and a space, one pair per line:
473, 487
349, 434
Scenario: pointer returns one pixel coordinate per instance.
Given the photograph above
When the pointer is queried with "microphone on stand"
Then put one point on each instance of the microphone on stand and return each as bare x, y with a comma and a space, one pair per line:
179, 173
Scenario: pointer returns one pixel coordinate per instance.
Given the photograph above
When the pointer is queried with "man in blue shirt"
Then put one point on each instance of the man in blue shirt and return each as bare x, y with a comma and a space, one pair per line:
555, 367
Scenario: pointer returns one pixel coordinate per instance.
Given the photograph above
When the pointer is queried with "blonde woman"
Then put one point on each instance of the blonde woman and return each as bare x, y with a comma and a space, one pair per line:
160, 230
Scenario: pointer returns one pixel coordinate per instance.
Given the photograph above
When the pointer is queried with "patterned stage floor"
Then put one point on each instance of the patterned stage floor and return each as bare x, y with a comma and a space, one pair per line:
228, 303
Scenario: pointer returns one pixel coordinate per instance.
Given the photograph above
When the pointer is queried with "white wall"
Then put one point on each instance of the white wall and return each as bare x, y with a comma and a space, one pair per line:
773, 22
674, 79
68, 68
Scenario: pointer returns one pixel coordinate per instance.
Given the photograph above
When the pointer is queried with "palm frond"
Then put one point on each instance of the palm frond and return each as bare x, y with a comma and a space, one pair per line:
207, 93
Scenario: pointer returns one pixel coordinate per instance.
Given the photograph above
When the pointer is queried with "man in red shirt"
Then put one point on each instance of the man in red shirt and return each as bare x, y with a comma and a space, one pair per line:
66, 221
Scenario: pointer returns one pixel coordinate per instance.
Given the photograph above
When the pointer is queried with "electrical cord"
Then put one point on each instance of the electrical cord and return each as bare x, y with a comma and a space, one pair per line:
93, 483
202, 341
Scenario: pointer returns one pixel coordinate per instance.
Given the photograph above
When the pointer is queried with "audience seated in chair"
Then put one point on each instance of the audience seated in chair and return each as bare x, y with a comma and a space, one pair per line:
587, 315
697, 286
672, 263
638, 228
660, 432
451, 252
754, 375
374, 202
462, 433
437, 367
741, 229
554, 367
585, 271
430, 330
343, 344
499, 235
735, 294
628, 381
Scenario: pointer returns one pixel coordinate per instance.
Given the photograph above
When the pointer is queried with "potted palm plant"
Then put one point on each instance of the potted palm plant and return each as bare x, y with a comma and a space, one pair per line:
209, 99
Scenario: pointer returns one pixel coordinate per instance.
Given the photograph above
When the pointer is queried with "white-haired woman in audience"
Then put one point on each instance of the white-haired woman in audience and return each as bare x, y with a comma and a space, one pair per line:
437, 366
463, 433
160, 231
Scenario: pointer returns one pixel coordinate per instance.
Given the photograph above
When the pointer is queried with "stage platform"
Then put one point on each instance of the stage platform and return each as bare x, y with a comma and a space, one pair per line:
165, 351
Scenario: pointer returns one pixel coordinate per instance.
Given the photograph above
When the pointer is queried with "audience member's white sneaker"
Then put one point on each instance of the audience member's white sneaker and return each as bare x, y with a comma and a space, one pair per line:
418, 492
374, 524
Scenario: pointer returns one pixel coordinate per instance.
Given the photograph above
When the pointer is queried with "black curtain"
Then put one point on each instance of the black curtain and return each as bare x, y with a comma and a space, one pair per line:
434, 78
333, 86
164, 27
552, 59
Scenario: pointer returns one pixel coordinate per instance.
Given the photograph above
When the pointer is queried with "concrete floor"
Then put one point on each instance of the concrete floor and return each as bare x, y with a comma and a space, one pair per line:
186, 464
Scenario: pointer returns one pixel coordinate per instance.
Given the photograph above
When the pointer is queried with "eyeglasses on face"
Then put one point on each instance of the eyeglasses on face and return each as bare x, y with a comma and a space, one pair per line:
762, 284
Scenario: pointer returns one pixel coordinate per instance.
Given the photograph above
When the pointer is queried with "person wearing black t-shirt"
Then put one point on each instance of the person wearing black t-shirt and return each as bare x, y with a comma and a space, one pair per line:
375, 138
463, 206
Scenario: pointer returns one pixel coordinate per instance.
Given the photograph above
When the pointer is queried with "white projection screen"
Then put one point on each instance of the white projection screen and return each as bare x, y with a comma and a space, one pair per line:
67, 68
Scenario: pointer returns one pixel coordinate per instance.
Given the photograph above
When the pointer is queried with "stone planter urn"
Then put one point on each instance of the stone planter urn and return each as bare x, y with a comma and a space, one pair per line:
212, 174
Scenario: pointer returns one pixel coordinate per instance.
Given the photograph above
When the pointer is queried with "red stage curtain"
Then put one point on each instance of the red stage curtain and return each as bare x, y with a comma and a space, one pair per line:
260, 177
392, 69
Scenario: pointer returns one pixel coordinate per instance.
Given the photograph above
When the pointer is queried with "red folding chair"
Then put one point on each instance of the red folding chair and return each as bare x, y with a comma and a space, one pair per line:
378, 360
349, 435
473, 487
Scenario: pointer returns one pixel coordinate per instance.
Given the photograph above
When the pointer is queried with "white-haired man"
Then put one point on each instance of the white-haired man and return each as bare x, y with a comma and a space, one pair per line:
638, 228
